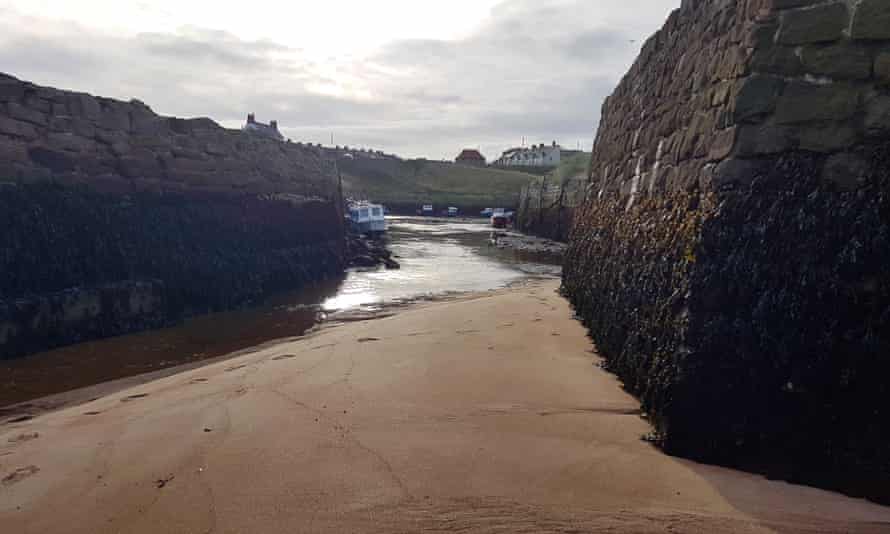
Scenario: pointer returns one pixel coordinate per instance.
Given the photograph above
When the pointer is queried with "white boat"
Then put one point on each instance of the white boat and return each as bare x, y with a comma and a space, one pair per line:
367, 218
452, 211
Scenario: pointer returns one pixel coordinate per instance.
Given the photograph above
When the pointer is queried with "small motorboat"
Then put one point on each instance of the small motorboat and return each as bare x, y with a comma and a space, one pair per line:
367, 218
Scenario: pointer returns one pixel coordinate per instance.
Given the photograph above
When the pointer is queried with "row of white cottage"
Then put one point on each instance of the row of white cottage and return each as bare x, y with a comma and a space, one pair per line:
535, 156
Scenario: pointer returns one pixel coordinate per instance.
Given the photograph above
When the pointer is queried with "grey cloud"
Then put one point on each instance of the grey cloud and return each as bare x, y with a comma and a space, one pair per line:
534, 68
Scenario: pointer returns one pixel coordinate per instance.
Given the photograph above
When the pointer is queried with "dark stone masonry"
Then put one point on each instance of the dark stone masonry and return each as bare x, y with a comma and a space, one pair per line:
731, 255
116, 219
547, 207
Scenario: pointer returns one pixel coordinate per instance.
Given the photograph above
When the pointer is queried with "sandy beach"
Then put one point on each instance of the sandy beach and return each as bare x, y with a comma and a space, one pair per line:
483, 414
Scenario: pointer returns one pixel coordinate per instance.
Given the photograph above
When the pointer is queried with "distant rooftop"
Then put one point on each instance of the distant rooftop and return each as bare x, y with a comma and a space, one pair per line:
266, 130
469, 154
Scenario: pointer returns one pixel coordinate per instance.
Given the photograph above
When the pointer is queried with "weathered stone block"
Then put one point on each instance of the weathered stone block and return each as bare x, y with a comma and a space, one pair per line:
882, 67
83, 127
803, 102
16, 128
762, 36
114, 119
69, 142
719, 95
757, 96
218, 149
109, 137
187, 153
151, 141
120, 148
83, 105
830, 137
179, 126
782, 60
147, 124
50, 94
837, 61
722, 143
846, 171
814, 25
96, 165
737, 172
54, 160
38, 104
140, 167
871, 20
12, 150
11, 90
179, 165
762, 139
202, 124
877, 114
22, 113
76, 125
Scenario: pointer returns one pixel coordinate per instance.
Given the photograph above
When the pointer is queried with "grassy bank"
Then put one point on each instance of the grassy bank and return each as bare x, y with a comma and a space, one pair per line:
404, 185
576, 166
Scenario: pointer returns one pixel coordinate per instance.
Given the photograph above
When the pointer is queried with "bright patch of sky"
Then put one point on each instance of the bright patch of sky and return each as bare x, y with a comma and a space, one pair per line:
321, 28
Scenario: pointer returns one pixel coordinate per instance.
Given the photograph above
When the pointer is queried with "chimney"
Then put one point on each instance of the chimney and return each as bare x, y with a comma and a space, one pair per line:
554, 144
274, 125
251, 118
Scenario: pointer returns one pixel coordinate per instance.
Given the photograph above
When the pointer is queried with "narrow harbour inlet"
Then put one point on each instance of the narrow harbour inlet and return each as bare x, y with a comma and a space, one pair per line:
480, 267
439, 258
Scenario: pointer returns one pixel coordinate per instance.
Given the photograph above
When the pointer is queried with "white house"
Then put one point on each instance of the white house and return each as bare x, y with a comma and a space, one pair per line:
534, 156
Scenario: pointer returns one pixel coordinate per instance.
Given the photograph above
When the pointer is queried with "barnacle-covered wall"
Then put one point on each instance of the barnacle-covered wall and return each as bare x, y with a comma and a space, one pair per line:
730, 257
116, 219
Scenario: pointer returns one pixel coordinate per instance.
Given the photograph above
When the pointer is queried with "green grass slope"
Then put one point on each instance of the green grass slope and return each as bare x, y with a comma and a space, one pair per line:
404, 185
572, 167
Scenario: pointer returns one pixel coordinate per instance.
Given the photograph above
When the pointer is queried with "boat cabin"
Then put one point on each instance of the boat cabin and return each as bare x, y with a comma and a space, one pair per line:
367, 218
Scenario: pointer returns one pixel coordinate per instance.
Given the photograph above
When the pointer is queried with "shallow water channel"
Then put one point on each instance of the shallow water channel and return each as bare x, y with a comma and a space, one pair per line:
439, 257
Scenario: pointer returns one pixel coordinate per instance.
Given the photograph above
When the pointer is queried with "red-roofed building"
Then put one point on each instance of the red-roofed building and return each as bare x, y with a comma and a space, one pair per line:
470, 156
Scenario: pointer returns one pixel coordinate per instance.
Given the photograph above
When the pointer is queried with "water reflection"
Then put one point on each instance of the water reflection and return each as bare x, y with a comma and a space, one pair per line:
437, 256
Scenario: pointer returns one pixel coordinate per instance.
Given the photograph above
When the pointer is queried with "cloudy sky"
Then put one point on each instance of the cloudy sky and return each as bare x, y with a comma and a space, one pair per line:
414, 77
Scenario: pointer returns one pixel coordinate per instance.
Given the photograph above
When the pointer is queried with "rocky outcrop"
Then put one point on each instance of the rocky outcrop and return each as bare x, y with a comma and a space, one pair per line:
365, 251
116, 219
730, 256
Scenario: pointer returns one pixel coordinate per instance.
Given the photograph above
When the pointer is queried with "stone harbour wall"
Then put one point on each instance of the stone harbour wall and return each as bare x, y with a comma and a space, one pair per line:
730, 255
78, 314
547, 207
116, 219
76, 138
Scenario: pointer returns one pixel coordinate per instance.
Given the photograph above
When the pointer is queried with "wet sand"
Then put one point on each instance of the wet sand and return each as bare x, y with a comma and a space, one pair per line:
484, 414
